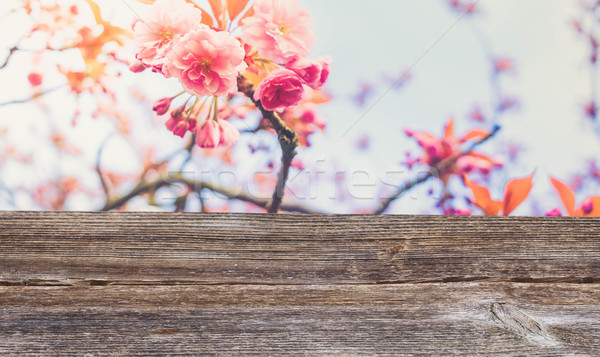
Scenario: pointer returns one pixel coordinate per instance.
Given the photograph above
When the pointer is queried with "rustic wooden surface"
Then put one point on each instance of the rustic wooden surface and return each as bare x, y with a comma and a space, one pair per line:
92, 284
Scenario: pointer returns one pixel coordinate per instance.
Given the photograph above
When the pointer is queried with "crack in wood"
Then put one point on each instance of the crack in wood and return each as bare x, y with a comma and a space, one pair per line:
513, 319
79, 282
477, 279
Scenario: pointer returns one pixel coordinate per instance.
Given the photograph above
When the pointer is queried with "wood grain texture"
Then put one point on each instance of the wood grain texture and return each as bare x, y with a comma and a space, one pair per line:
222, 284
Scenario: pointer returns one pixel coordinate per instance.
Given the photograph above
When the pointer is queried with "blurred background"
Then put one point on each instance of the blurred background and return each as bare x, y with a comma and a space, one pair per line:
529, 67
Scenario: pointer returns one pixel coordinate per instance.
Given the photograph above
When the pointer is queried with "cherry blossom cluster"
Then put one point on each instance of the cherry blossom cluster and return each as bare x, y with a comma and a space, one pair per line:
65, 26
266, 43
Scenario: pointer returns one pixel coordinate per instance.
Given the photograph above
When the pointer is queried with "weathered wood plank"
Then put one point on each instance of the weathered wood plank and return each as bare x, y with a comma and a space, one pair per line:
146, 283
401, 319
134, 248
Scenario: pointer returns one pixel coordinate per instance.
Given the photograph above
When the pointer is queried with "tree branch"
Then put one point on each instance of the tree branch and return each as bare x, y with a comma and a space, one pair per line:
198, 186
433, 170
105, 187
32, 97
288, 140
11, 52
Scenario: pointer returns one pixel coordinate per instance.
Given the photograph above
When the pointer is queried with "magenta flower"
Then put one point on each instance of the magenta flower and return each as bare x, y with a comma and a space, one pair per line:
554, 213
165, 23
314, 73
325, 63
588, 206
279, 30
282, 88
207, 62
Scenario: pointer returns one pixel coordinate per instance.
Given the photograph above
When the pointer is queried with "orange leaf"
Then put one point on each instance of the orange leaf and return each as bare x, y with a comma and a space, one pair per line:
248, 13
218, 11
566, 195
112, 33
449, 131
319, 97
482, 198
515, 193
235, 7
474, 134
254, 78
206, 19
96, 10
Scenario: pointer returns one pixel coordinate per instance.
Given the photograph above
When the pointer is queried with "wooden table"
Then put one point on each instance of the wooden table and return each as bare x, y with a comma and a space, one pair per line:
93, 284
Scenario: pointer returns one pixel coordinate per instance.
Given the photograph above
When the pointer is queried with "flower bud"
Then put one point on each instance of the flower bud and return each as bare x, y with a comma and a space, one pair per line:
137, 66
162, 106
588, 206
208, 135
229, 134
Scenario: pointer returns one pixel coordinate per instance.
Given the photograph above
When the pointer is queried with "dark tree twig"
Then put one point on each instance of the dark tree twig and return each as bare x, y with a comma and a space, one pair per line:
32, 97
198, 186
11, 52
288, 139
105, 187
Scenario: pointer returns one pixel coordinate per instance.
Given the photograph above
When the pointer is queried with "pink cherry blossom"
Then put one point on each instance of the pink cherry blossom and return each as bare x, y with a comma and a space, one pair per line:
229, 134
314, 73
165, 23
325, 63
282, 88
208, 135
207, 62
308, 70
279, 29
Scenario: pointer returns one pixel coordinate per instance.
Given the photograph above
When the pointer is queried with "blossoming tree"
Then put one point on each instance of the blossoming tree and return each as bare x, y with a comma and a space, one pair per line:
267, 64
234, 69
